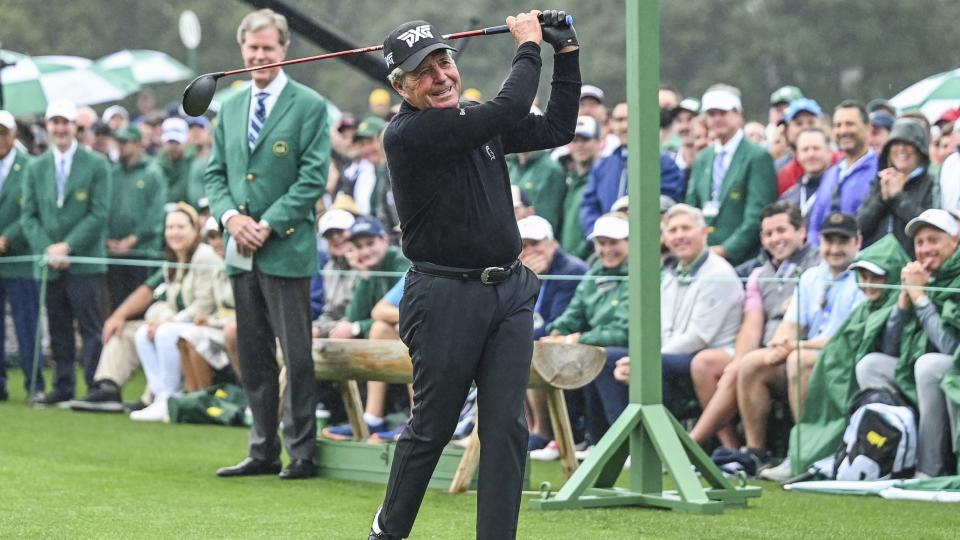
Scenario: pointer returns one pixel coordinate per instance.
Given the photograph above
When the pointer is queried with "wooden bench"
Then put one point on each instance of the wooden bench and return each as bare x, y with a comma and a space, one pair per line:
554, 367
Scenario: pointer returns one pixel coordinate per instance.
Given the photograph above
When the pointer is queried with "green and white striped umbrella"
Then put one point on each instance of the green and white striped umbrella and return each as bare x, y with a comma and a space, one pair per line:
145, 66
35, 81
932, 96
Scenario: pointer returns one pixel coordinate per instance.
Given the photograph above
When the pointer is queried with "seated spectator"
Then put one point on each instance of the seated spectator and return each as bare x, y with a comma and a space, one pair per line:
815, 157
786, 255
598, 315
190, 294
542, 254
921, 339
701, 301
335, 281
801, 114
833, 381
823, 298
903, 187
844, 186
732, 181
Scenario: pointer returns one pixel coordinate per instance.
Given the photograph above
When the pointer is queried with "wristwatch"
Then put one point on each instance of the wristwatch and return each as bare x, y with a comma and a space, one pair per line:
921, 302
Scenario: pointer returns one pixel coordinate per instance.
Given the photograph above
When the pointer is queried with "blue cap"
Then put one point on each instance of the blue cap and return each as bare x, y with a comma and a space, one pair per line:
201, 121
366, 226
800, 105
882, 119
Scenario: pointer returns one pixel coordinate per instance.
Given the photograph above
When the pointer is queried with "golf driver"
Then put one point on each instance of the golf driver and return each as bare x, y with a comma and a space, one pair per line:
199, 93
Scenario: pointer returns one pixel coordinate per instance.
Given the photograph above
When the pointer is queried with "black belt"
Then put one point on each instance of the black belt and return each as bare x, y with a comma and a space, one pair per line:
490, 275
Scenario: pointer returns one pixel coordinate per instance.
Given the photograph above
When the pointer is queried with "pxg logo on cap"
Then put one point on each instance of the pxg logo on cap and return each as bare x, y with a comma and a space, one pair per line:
408, 44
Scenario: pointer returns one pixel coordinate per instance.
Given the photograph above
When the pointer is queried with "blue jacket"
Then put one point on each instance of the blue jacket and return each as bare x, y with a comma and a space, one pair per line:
607, 183
852, 192
555, 294
317, 294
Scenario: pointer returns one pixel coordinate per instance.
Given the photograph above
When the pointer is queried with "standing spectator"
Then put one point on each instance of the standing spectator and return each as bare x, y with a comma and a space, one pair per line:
844, 186
379, 102
949, 181
779, 101
821, 301
921, 338
271, 156
683, 121
815, 157
903, 187
17, 283
173, 160
732, 181
66, 195
800, 115
584, 150
361, 178
786, 255
756, 133
701, 302
608, 179
136, 217
86, 118
542, 180
115, 116
199, 140
881, 122
592, 105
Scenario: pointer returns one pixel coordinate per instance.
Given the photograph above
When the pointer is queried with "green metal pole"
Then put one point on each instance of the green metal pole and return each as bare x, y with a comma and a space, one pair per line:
643, 169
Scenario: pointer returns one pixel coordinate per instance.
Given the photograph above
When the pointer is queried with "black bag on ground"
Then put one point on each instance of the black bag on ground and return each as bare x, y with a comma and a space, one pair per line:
880, 441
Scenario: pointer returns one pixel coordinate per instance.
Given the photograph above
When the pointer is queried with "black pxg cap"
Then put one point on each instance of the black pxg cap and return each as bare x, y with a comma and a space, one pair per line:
408, 44
841, 224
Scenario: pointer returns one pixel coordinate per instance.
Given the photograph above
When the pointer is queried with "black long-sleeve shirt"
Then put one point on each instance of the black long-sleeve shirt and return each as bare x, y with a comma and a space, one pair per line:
449, 175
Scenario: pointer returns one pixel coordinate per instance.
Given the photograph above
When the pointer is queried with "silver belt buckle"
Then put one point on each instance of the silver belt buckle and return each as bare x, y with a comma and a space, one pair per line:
485, 275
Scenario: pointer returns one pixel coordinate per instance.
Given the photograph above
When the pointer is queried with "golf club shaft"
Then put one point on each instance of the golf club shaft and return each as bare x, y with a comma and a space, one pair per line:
502, 29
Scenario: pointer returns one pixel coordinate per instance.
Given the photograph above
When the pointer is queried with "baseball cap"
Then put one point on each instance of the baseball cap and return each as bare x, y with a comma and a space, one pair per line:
63, 109
785, 94
408, 44
198, 121
370, 127
129, 133
336, 219
366, 226
949, 115
535, 228
347, 121
591, 91
722, 100
7, 120
798, 106
379, 96
114, 110
689, 104
873, 268
840, 223
882, 119
610, 227
934, 217
881, 104
587, 127
621, 205
174, 129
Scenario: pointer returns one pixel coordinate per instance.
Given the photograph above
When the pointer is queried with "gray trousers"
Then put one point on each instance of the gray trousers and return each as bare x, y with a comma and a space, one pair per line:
271, 309
937, 429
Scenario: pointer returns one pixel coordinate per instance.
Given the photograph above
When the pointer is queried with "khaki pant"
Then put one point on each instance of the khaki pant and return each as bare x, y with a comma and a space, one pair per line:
119, 361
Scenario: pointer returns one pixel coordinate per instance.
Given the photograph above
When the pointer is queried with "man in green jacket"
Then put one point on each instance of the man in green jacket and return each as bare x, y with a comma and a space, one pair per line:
16, 279
66, 195
542, 180
584, 149
732, 181
135, 225
175, 159
271, 154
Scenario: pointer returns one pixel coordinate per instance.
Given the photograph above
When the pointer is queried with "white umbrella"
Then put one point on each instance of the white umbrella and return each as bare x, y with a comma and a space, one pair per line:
932, 96
145, 66
35, 81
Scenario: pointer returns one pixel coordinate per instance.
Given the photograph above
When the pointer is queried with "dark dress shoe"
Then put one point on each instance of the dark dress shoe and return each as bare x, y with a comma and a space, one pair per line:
250, 467
297, 469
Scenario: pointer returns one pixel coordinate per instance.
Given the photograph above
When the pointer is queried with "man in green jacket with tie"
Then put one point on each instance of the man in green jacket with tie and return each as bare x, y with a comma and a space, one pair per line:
17, 285
271, 153
732, 181
66, 194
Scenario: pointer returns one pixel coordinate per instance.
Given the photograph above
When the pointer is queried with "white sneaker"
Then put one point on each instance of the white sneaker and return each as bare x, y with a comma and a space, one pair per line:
550, 452
780, 473
155, 412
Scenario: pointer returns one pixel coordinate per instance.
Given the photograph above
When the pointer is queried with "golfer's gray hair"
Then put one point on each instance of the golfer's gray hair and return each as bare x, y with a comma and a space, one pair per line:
396, 76
685, 210
263, 18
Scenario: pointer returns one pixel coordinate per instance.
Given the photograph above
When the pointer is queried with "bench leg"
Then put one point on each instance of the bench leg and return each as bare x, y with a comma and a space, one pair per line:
562, 432
468, 463
351, 402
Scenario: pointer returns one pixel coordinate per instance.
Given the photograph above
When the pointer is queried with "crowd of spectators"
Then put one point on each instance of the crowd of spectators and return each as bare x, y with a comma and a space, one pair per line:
772, 236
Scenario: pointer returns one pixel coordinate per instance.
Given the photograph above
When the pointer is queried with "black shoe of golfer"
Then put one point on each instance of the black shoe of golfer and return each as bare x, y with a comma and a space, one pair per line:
299, 469
250, 467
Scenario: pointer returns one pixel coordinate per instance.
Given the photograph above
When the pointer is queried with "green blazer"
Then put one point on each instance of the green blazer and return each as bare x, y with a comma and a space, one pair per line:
749, 185
543, 181
279, 181
136, 207
82, 221
11, 196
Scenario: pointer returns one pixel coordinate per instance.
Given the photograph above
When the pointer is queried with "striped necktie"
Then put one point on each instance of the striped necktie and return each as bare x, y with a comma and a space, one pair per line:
62, 175
258, 119
719, 172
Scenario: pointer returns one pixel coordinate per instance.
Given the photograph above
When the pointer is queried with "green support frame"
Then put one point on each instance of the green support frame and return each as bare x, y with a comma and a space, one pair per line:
646, 430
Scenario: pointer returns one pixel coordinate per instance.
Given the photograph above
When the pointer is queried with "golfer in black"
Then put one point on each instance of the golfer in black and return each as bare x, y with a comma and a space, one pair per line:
467, 308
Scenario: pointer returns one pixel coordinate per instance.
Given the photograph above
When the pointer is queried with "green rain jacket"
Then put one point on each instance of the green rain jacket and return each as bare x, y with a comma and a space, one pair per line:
599, 309
368, 290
